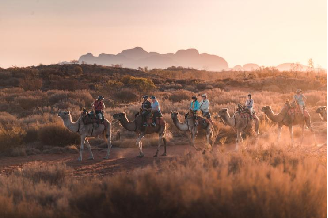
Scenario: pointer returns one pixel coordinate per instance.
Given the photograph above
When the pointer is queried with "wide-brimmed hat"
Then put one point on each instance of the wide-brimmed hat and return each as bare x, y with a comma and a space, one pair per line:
153, 97
298, 90
204, 95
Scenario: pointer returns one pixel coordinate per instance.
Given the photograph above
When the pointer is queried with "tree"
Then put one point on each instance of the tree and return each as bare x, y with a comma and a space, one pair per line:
74, 61
311, 64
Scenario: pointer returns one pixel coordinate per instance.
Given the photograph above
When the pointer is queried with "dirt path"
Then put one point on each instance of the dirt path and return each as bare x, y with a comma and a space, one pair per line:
121, 159
125, 159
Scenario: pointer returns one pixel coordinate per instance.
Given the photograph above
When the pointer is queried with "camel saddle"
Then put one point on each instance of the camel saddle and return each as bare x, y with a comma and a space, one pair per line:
159, 121
90, 118
201, 120
294, 110
244, 112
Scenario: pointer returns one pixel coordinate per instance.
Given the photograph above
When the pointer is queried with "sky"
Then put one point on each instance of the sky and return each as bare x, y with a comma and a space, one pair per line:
264, 32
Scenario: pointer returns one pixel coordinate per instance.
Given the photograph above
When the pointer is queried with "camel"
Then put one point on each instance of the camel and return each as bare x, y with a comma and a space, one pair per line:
322, 111
240, 122
87, 131
289, 117
137, 126
189, 125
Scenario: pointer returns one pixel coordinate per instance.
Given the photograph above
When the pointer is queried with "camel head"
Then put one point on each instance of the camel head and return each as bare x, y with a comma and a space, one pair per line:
321, 109
223, 112
119, 116
174, 115
266, 109
64, 114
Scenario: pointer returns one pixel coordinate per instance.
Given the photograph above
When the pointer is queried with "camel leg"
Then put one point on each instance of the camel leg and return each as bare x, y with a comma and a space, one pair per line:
192, 138
164, 142
308, 124
238, 140
291, 134
159, 144
109, 146
139, 143
257, 124
81, 148
89, 148
279, 132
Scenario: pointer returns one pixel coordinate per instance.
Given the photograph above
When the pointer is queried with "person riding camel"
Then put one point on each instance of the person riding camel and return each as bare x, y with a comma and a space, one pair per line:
300, 100
98, 106
205, 107
155, 109
250, 104
194, 107
145, 109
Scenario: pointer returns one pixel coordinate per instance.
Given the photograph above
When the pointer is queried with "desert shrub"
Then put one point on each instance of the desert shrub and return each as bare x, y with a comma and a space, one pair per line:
11, 138
179, 96
53, 174
139, 83
68, 84
57, 135
31, 135
78, 70
29, 102
7, 119
30, 84
126, 96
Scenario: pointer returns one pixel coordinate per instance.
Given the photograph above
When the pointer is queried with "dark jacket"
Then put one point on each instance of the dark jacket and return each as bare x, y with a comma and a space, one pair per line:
146, 105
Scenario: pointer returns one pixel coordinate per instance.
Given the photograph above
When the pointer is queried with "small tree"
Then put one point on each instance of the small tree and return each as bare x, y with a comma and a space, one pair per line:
311, 64
74, 61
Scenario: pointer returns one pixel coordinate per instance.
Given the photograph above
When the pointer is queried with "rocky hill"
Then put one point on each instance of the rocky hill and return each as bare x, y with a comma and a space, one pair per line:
138, 57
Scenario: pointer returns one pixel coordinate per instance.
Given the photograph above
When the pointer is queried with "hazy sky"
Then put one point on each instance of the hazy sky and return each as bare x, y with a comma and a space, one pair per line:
266, 32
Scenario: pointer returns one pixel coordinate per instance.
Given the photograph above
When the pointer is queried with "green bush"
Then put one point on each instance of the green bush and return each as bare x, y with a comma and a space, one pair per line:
139, 83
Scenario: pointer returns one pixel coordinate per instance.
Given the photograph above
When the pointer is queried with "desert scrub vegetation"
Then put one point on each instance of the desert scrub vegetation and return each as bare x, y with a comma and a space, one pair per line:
31, 97
271, 182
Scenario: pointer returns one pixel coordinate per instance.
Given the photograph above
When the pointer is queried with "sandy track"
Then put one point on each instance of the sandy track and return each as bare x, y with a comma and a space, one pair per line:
121, 160
125, 159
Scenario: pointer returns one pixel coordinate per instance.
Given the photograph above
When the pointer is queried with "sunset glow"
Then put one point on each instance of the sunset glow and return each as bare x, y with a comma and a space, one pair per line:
254, 31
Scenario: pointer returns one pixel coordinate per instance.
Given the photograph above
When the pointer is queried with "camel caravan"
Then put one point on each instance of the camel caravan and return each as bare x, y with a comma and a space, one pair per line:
149, 120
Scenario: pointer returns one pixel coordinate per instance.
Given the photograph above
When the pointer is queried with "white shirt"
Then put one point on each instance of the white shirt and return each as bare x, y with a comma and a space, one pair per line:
249, 103
205, 105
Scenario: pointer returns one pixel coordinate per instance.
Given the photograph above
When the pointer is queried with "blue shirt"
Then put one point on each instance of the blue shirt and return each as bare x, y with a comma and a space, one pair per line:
194, 105
299, 100
155, 106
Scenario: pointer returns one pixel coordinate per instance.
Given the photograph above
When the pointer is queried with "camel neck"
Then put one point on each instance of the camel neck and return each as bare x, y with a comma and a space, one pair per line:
179, 125
274, 117
229, 120
73, 126
131, 126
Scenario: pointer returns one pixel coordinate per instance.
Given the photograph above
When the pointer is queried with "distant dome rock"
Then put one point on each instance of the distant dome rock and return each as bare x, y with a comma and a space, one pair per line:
138, 57
238, 68
135, 53
250, 67
188, 52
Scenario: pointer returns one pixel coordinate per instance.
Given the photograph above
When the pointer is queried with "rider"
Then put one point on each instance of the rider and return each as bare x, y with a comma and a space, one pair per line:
250, 103
98, 106
145, 109
300, 100
194, 107
205, 106
155, 109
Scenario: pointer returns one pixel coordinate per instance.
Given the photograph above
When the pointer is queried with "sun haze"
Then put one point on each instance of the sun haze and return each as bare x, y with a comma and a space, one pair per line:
254, 31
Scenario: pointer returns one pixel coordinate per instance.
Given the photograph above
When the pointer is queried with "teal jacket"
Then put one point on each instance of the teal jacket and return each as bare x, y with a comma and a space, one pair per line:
194, 105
